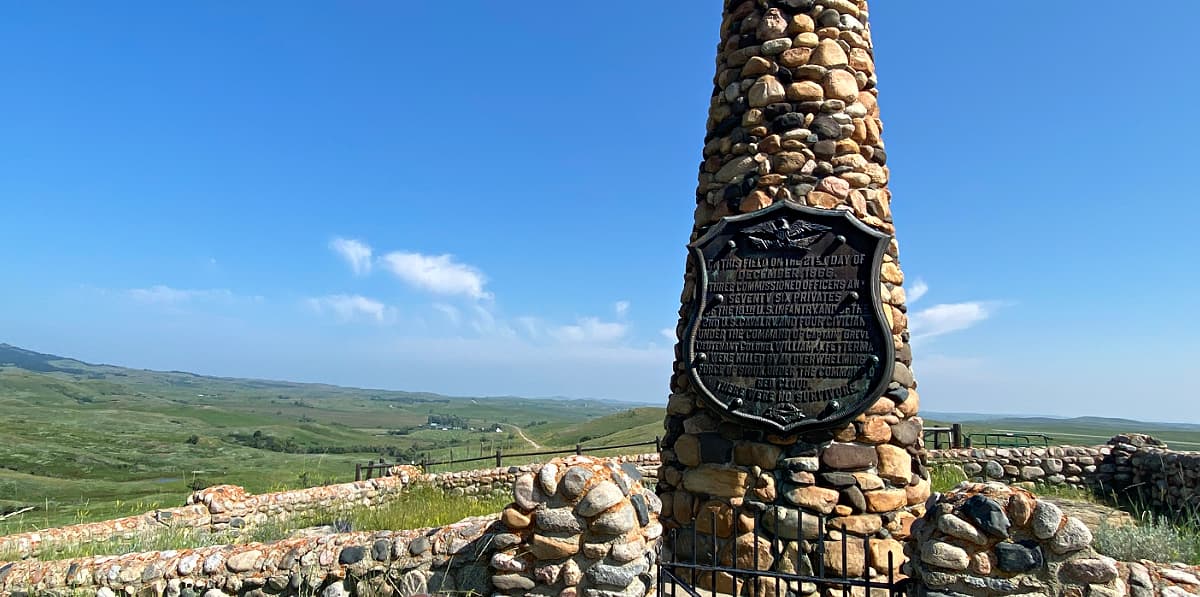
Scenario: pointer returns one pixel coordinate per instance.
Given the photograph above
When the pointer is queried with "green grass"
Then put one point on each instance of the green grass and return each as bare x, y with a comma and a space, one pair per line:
1154, 538
631, 426
1068, 492
420, 507
944, 476
84, 442
161, 540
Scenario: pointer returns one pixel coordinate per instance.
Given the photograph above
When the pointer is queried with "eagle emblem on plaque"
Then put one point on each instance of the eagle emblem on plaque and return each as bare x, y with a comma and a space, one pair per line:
787, 330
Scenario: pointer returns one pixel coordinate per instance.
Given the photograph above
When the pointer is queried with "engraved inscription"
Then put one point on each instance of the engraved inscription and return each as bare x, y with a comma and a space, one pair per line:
790, 330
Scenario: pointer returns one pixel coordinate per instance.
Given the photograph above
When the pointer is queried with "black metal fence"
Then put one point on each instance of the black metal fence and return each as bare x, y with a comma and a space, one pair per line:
701, 562
1008, 440
938, 438
382, 467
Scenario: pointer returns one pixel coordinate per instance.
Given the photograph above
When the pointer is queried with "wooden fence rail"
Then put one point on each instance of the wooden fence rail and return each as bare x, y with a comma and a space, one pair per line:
368, 470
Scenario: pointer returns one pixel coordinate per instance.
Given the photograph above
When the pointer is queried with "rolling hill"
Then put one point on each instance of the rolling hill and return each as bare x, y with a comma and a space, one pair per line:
83, 441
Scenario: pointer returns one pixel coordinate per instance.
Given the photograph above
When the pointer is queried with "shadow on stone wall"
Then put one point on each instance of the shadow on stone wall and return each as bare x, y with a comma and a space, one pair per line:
577, 526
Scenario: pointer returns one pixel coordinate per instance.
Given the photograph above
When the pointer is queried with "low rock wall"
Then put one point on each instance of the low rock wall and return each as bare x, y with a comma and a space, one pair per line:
577, 527
443, 560
1142, 469
501, 479
1054, 465
587, 527
993, 539
1133, 466
219, 508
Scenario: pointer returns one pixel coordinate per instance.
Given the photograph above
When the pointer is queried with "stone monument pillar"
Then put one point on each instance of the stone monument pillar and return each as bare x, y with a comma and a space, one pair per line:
792, 392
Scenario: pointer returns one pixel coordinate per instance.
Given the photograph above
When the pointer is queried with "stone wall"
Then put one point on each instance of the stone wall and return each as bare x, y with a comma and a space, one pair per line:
501, 479
447, 559
1142, 469
995, 539
578, 526
1135, 467
220, 508
794, 117
225, 507
1055, 465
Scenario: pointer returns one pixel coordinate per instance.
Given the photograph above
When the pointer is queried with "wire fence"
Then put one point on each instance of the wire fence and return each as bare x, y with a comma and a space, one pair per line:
382, 468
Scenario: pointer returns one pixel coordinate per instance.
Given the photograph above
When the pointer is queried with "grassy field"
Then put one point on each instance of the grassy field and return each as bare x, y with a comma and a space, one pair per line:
1080, 431
87, 442
83, 442
420, 507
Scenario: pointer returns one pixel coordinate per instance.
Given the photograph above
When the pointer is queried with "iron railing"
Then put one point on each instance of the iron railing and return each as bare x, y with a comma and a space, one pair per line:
708, 564
1008, 440
937, 438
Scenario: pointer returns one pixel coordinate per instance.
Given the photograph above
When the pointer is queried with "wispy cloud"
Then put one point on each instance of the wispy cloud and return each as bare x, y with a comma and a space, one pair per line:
439, 274
485, 323
165, 295
622, 308
916, 291
450, 311
948, 317
352, 307
356, 253
531, 326
590, 329
668, 333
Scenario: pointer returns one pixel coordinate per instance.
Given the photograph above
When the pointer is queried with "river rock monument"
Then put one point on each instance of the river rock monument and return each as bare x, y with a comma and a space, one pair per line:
792, 420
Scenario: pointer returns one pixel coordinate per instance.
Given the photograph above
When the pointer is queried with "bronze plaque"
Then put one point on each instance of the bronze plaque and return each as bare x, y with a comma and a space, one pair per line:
788, 331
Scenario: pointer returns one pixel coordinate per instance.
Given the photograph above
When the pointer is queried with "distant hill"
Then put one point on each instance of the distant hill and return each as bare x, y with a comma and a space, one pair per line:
631, 426
80, 438
1116, 424
1092, 422
1085, 430
28, 360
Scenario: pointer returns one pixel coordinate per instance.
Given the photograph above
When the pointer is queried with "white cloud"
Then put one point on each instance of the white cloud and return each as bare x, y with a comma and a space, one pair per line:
356, 253
486, 324
439, 274
668, 333
947, 318
351, 307
916, 291
532, 326
165, 295
450, 311
590, 329
622, 308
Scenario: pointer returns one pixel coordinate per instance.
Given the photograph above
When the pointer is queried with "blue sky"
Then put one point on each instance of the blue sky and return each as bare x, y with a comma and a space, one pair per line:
494, 199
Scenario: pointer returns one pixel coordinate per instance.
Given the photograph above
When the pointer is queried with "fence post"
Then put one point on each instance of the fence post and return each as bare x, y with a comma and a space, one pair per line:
578, 450
956, 435
499, 457
657, 444
358, 471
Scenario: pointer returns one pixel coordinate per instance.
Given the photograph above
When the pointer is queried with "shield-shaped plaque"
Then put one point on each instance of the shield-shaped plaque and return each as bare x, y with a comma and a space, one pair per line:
788, 331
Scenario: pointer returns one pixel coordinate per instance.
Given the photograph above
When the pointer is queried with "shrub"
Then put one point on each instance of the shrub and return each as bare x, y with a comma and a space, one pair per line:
1154, 538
